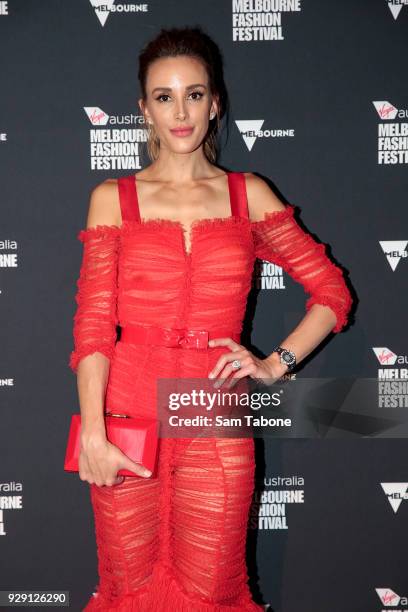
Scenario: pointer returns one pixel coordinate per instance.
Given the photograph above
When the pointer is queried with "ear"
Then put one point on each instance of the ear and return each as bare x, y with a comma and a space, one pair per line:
143, 110
214, 108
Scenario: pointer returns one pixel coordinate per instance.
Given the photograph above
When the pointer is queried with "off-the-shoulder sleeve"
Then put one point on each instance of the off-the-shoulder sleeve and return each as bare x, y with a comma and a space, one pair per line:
95, 319
278, 238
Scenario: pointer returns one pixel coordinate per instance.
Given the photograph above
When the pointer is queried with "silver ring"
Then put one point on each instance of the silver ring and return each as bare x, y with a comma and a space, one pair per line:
236, 364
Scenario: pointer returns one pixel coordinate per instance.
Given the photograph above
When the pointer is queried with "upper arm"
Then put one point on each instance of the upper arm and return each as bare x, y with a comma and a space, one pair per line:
261, 198
104, 205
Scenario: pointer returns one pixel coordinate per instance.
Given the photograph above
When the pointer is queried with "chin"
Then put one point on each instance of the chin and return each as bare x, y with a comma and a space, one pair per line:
183, 147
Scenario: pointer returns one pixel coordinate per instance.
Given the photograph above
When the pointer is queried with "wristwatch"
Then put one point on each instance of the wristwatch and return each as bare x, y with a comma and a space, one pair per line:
287, 357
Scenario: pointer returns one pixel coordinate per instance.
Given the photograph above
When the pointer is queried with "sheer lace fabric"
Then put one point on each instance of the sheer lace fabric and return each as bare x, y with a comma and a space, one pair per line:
280, 239
178, 541
95, 318
144, 296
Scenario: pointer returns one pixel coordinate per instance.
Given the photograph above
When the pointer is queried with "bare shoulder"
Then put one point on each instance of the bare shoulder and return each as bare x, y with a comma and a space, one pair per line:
261, 198
104, 204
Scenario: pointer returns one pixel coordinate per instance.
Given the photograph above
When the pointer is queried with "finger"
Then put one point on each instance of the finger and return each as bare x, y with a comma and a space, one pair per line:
137, 468
235, 378
241, 373
224, 342
240, 354
113, 479
225, 366
247, 366
225, 378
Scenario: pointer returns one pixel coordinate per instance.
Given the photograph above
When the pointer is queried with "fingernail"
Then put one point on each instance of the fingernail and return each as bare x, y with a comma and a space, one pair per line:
211, 375
147, 473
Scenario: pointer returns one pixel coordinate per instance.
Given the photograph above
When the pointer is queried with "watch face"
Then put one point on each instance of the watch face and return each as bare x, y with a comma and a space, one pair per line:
288, 357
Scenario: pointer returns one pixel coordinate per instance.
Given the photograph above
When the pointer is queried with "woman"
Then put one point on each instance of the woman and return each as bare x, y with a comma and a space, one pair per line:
174, 247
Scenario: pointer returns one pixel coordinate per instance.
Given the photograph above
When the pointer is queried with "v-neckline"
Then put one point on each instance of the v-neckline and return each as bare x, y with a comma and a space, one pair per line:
184, 231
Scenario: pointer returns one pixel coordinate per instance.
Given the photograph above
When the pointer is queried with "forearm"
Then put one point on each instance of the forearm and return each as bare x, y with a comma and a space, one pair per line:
92, 378
317, 323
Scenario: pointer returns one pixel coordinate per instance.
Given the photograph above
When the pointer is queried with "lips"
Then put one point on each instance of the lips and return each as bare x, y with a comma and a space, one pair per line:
182, 131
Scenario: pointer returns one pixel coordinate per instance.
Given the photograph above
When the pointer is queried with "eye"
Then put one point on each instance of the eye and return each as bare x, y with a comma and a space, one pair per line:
197, 93
162, 96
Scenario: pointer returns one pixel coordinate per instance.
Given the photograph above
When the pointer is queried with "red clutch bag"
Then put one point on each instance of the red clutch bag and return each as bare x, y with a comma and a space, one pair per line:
135, 437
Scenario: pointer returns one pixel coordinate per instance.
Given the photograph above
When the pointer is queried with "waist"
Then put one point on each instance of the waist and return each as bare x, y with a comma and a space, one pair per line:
174, 337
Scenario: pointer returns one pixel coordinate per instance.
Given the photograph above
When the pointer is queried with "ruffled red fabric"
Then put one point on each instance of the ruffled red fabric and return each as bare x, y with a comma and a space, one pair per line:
278, 238
164, 593
95, 319
143, 273
143, 297
177, 542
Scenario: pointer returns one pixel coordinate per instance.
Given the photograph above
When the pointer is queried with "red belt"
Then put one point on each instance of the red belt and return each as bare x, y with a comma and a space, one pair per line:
174, 337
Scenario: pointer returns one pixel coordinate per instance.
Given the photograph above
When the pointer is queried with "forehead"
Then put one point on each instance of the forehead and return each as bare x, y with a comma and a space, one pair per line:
175, 72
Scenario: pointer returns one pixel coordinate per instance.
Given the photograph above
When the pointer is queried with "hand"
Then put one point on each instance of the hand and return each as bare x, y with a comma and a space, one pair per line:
99, 461
269, 368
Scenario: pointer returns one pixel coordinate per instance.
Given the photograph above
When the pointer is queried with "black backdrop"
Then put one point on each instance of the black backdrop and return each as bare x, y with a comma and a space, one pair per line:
332, 75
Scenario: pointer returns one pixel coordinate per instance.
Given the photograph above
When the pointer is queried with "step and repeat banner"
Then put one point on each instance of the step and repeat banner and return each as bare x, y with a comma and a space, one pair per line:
319, 108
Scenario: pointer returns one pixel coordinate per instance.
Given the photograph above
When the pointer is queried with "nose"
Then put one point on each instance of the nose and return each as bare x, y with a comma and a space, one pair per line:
180, 110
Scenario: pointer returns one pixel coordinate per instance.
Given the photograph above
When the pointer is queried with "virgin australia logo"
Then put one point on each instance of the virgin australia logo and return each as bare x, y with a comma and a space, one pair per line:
97, 116
387, 111
390, 599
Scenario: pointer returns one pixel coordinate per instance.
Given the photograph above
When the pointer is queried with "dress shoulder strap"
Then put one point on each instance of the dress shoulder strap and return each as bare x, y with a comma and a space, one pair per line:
238, 195
129, 204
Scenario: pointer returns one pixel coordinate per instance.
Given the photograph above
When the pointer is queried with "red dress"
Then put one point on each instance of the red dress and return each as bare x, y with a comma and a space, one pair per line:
177, 541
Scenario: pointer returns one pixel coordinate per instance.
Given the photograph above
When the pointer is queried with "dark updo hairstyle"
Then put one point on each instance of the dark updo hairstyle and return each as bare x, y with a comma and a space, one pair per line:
193, 42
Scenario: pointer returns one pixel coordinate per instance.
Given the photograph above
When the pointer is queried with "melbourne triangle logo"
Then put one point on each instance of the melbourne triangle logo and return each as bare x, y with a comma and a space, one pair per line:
394, 250
395, 492
102, 9
395, 6
249, 129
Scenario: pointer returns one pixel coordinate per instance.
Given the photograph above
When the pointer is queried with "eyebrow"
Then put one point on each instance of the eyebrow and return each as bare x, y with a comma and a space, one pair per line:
187, 88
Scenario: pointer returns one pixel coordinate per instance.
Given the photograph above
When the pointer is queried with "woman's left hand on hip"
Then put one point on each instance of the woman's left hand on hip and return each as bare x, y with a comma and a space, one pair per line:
269, 368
